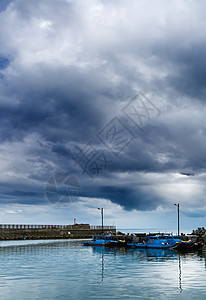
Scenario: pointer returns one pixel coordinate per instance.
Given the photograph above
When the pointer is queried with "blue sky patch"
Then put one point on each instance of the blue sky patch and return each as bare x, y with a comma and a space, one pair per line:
4, 4
4, 62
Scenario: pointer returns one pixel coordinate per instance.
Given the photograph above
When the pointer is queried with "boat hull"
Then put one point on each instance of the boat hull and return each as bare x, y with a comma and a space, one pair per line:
188, 247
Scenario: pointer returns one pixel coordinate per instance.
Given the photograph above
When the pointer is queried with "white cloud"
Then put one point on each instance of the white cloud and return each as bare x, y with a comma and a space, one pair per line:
14, 211
108, 50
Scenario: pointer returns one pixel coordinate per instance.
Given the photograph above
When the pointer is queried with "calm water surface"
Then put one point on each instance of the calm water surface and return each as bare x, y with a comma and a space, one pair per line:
66, 270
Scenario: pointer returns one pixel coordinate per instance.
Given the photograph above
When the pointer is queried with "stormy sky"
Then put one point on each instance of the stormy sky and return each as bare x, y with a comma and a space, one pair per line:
102, 104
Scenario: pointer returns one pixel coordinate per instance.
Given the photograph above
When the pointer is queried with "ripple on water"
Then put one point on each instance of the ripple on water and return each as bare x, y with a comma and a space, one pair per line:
66, 270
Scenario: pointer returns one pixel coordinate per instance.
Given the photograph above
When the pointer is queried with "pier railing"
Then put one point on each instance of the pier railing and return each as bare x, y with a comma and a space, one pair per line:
18, 226
104, 227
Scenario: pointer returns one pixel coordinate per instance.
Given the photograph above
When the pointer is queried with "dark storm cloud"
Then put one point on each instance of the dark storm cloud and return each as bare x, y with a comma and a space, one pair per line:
193, 214
64, 107
129, 197
188, 174
190, 79
70, 73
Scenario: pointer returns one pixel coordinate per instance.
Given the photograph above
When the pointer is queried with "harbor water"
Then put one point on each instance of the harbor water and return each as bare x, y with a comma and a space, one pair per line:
64, 269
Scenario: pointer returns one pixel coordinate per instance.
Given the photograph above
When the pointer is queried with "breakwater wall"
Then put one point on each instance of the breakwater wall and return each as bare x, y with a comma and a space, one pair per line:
37, 232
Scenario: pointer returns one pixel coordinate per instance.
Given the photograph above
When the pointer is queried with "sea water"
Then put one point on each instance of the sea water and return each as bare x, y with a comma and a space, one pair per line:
64, 269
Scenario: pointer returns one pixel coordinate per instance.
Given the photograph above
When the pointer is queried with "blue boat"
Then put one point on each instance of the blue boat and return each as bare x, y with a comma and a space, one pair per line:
173, 239
144, 241
102, 240
167, 242
149, 241
156, 242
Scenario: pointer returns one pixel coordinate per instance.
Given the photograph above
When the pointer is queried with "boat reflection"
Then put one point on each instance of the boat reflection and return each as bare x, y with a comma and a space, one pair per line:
147, 253
140, 254
160, 253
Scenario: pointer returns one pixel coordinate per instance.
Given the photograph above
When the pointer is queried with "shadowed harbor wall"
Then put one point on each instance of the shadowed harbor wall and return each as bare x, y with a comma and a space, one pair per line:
37, 232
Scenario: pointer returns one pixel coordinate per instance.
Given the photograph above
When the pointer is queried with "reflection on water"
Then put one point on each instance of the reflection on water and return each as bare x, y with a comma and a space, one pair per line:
180, 274
102, 265
66, 270
150, 254
147, 254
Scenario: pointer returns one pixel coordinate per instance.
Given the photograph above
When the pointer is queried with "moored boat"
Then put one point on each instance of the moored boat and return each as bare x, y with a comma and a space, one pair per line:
154, 242
101, 240
188, 246
145, 241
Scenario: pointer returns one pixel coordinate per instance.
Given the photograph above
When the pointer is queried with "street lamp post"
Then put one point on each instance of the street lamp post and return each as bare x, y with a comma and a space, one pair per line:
102, 218
178, 217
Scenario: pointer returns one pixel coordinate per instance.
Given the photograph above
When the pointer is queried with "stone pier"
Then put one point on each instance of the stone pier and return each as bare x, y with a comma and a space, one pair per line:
37, 232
